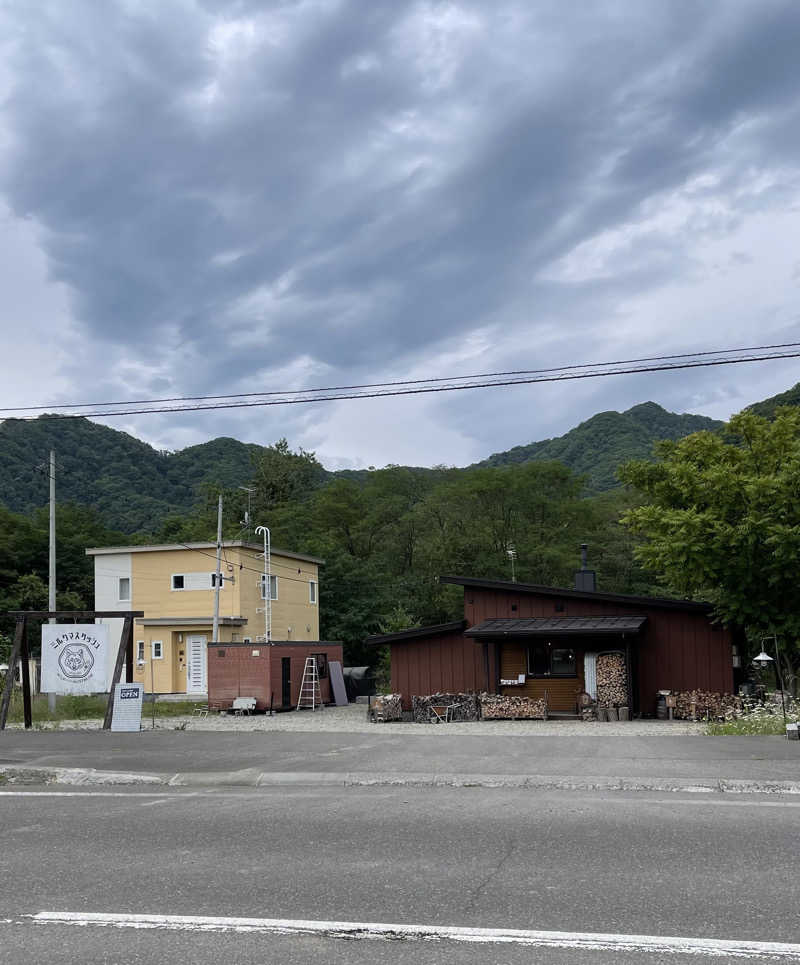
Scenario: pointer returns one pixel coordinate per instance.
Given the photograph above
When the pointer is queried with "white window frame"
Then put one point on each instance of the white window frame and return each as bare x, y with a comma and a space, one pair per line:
160, 645
177, 589
313, 592
273, 583
120, 597
140, 651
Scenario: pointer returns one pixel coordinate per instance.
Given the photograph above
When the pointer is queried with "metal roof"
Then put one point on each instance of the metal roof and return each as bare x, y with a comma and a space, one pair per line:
557, 626
567, 593
439, 629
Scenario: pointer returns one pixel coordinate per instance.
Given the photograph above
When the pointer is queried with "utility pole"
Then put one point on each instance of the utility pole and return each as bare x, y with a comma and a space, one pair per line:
218, 574
51, 586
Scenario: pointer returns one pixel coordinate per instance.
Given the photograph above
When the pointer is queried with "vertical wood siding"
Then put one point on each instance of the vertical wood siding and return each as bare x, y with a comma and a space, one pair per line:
447, 662
677, 650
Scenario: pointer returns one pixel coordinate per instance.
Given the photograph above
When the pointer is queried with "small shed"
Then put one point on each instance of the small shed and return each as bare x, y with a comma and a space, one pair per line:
270, 672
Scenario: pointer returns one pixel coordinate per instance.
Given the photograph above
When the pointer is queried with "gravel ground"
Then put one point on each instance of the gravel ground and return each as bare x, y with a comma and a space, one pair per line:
353, 720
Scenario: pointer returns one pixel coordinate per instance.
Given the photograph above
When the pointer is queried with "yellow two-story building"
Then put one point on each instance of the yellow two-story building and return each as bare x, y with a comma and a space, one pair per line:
174, 585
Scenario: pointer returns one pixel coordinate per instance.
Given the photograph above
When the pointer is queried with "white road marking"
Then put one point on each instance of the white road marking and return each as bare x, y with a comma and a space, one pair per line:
582, 941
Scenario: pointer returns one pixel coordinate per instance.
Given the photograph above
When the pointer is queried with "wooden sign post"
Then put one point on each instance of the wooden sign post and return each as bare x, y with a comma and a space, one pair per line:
20, 653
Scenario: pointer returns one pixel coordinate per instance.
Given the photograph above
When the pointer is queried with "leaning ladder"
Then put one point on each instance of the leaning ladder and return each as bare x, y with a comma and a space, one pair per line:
310, 693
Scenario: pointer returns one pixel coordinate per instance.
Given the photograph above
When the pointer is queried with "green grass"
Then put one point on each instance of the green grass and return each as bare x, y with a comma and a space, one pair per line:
772, 724
89, 708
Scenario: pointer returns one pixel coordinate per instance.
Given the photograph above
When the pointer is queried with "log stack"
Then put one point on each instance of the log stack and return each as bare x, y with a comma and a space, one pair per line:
387, 707
466, 706
706, 705
612, 680
499, 707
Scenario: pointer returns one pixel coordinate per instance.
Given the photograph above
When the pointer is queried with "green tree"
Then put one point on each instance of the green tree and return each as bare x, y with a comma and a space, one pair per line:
722, 522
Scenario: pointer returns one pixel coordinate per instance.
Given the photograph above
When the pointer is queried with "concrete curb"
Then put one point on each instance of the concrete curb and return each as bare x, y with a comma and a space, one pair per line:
250, 777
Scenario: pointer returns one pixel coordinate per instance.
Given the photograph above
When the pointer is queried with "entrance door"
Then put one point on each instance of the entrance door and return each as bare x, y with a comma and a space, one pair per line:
196, 665
286, 681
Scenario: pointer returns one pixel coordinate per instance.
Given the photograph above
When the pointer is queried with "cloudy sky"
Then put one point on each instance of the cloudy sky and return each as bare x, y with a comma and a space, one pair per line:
201, 197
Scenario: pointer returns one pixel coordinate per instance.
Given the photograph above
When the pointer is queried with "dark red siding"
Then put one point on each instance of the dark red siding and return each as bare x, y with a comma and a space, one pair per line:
677, 650
448, 663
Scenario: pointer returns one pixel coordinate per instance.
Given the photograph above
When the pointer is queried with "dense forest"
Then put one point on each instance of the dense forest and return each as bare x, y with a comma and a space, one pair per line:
386, 535
598, 447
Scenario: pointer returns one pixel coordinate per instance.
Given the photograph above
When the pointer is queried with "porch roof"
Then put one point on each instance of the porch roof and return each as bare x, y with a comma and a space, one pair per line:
191, 621
557, 626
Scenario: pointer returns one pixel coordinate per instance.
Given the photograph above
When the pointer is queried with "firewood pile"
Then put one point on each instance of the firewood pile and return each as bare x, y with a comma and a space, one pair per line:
386, 707
706, 705
498, 707
465, 706
612, 683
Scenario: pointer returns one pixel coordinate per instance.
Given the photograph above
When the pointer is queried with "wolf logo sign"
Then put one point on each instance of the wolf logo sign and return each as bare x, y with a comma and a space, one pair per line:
74, 658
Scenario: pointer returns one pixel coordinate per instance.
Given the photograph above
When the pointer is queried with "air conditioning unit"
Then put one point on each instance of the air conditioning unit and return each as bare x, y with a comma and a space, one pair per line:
247, 640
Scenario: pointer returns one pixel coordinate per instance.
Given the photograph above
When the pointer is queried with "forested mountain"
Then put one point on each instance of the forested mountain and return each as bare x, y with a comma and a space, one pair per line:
386, 535
597, 447
132, 485
768, 406
135, 487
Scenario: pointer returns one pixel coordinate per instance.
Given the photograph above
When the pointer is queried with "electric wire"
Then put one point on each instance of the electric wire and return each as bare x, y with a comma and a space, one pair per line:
440, 384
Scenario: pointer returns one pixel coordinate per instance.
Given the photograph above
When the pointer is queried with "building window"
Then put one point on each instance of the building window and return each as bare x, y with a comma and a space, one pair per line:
177, 581
545, 660
312, 591
158, 650
124, 589
322, 664
273, 586
140, 651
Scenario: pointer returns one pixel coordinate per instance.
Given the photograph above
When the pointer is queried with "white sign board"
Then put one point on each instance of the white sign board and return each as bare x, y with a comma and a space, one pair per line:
127, 714
74, 658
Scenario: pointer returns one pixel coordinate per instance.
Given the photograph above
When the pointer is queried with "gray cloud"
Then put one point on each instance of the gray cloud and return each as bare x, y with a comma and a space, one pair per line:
241, 194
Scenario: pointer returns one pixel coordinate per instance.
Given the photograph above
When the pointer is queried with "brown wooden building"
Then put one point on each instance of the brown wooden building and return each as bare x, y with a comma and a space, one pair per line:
529, 640
272, 673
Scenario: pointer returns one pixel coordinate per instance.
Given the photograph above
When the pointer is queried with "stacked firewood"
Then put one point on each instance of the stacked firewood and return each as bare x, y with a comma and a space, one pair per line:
498, 707
464, 706
387, 707
612, 684
705, 705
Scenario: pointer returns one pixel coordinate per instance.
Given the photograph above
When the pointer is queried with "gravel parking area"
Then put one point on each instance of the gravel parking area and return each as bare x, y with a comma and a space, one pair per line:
353, 720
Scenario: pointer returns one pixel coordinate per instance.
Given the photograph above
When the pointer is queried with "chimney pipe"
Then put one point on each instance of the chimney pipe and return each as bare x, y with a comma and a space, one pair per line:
585, 579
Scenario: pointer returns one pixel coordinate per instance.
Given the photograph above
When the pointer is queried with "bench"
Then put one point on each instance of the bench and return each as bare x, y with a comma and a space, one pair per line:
243, 705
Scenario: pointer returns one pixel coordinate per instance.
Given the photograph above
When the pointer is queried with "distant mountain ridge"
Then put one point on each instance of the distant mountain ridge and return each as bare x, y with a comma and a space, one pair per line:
134, 486
598, 446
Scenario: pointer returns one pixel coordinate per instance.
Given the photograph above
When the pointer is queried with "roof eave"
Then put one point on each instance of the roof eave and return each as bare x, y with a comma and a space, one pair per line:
538, 590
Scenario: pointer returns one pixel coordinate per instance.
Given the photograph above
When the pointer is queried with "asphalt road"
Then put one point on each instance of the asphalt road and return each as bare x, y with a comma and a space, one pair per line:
754, 758
710, 866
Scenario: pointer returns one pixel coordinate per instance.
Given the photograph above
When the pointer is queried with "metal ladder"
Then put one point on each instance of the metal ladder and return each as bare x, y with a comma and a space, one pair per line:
310, 693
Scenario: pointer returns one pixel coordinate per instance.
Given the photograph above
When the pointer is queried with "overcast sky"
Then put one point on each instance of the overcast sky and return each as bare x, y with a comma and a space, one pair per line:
200, 197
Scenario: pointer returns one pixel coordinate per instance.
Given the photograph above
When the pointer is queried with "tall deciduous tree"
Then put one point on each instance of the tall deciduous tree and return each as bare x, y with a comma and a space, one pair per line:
722, 522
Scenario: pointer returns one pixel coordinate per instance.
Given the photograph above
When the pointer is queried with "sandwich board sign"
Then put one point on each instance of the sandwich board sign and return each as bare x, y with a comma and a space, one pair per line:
127, 713
74, 658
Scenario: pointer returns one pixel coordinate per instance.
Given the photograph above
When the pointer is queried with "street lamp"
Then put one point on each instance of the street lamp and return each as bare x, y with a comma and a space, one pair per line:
140, 665
763, 660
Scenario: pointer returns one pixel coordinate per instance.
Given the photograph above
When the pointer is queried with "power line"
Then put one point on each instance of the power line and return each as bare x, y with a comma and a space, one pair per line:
441, 384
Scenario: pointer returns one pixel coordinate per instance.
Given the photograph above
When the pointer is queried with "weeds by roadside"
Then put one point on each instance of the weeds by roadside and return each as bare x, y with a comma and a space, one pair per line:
760, 719
88, 708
